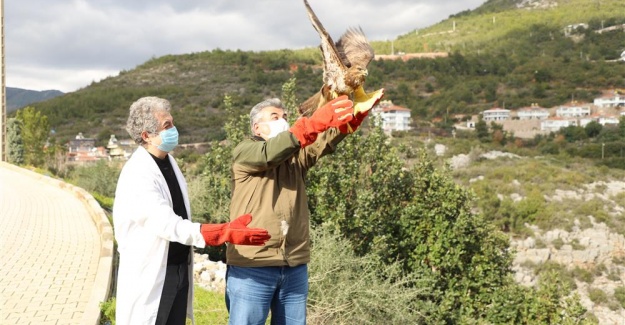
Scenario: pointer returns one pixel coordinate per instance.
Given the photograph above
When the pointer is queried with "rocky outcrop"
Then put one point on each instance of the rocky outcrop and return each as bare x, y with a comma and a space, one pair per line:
208, 274
594, 249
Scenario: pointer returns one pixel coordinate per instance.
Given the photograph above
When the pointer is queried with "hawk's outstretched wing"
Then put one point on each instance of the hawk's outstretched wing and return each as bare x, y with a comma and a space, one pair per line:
334, 68
344, 68
354, 49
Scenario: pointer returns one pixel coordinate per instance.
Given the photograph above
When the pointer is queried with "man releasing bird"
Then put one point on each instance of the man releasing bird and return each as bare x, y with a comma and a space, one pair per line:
344, 69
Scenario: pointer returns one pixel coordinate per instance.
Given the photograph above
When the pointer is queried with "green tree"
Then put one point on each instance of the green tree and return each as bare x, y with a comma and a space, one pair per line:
15, 152
481, 128
289, 99
573, 133
34, 131
593, 128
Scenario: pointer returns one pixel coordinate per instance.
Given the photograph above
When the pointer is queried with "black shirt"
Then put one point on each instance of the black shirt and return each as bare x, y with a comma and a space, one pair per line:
178, 253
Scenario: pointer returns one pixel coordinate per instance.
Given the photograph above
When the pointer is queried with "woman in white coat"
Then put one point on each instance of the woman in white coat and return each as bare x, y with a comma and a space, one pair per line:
154, 233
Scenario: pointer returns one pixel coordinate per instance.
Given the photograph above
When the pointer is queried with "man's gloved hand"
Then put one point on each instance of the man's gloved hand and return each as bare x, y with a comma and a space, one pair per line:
353, 125
335, 113
235, 232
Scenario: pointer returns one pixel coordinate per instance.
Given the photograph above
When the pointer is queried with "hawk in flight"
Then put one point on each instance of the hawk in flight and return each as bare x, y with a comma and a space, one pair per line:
344, 69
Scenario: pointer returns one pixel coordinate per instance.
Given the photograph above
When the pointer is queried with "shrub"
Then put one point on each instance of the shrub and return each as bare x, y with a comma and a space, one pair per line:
583, 274
619, 295
597, 296
100, 177
350, 289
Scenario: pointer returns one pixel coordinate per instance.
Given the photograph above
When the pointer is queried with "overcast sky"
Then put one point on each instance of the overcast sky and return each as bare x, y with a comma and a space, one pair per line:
67, 44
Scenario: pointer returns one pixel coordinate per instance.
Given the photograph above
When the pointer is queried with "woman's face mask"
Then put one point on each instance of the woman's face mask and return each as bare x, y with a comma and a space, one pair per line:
169, 139
276, 127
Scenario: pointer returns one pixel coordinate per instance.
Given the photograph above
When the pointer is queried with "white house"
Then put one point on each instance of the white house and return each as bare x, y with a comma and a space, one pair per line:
573, 110
613, 99
496, 114
569, 29
556, 123
608, 119
393, 117
534, 112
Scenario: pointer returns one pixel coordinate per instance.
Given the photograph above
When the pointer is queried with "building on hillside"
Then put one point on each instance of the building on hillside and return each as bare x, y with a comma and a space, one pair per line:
470, 123
573, 109
611, 99
533, 112
608, 119
393, 117
82, 150
554, 124
496, 114
570, 29
120, 149
407, 56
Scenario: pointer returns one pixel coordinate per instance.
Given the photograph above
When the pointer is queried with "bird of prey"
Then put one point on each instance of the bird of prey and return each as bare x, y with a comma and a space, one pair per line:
344, 68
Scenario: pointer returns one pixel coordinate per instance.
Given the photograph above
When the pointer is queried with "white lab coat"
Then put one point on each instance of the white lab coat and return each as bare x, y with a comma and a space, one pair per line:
144, 223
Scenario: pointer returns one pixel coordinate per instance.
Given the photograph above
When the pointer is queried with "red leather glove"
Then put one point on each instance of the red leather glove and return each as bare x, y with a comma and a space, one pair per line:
355, 123
235, 232
335, 113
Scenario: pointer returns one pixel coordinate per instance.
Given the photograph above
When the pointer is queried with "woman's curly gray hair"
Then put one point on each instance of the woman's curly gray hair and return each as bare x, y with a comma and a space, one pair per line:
143, 118
255, 112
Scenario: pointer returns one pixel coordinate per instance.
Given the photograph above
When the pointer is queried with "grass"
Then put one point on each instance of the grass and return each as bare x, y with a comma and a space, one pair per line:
209, 307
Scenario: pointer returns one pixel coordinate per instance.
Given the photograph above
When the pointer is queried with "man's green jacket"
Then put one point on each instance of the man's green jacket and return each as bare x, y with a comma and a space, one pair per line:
269, 182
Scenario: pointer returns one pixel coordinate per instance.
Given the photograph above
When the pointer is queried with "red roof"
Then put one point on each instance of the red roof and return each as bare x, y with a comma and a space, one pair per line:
394, 108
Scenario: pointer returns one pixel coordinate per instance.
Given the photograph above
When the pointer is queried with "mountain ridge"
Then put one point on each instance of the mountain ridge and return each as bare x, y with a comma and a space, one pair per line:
19, 97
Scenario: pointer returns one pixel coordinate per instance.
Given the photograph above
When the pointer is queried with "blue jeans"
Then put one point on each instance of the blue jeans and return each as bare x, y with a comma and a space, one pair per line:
252, 291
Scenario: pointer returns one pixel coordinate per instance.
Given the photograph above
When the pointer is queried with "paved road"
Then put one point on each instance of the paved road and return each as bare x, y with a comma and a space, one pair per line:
49, 252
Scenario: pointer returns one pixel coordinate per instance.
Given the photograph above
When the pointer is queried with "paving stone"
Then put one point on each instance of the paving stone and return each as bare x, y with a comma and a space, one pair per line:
50, 247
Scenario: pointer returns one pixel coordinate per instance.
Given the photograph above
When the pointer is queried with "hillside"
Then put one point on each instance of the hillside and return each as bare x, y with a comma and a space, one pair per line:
501, 55
563, 214
492, 27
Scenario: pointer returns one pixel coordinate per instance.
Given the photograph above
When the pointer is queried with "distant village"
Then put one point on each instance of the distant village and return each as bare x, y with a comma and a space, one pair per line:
527, 122
524, 122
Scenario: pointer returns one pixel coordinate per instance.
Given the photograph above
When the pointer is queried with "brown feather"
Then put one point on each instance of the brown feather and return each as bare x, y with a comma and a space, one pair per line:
354, 48
334, 68
309, 106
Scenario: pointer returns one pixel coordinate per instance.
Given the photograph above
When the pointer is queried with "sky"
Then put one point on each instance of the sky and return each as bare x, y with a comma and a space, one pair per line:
68, 44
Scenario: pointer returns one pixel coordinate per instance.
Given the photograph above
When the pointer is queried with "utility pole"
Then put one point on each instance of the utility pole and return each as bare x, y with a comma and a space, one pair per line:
3, 118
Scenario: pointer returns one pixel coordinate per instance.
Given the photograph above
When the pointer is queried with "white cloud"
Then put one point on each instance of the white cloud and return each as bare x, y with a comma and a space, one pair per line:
67, 44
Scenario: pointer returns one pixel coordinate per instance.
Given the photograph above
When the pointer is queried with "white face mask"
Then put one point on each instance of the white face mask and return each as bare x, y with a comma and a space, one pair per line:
276, 127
